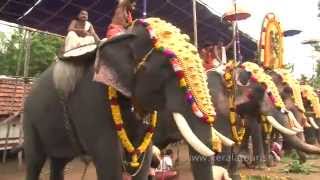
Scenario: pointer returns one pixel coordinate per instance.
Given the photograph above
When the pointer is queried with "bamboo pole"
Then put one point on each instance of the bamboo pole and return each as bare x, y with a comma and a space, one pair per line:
22, 44
27, 54
5, 151
20, 153
195, 24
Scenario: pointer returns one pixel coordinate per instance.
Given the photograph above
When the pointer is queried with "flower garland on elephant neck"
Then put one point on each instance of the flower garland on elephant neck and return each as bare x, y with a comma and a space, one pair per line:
287, 78
122, 134
175, 63
267, 127
309, 94
258, 75
237, 134
229, 82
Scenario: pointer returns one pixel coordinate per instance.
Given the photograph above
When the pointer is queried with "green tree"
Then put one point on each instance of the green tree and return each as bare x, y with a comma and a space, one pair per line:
43, 50
316, 79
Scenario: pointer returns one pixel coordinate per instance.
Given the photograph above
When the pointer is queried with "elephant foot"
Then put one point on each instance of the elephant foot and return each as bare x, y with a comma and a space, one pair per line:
302, 159
271, 163
235, 177
260, 165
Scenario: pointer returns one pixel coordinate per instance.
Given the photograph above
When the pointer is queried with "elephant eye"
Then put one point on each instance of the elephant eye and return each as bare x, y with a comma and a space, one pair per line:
243, 78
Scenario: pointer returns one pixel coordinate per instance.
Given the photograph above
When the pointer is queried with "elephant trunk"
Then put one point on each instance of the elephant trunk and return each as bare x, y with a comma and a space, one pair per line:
298, 144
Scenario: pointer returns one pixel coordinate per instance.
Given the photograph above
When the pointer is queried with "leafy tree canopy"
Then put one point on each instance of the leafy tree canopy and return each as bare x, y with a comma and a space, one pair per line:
12, 52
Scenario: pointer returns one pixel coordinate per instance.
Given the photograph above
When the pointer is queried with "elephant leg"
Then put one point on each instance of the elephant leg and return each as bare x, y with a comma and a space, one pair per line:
34, 154
302, 155
200, 165
234, 166
144, 171
34, 165
57, 166
257, 143
318, 135
106, 156
310, 135
267, 147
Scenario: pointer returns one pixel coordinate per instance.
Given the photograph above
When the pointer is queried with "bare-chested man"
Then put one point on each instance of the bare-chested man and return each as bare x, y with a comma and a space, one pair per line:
122, 18
80, 32
220, 51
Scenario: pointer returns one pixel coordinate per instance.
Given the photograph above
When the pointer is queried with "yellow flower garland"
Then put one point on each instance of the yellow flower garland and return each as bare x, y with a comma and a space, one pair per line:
237, 134
261, 77
309, 93
122, 134
288, 78
267, 127
230, 84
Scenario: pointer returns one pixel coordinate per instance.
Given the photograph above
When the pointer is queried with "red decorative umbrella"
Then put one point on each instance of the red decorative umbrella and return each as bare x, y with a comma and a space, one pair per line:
237, 15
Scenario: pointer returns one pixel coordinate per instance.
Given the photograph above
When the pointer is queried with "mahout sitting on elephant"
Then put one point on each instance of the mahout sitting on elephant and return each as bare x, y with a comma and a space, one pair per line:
141, 76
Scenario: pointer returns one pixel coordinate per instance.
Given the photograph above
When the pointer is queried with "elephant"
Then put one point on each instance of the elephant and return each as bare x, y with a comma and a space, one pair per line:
67, 114
312, 130
249, 108
293, 105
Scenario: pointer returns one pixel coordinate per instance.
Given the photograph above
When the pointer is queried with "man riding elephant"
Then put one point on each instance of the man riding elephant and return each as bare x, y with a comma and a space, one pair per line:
122, 18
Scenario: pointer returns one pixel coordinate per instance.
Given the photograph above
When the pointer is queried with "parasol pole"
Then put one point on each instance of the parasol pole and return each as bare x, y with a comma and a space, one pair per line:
195, 27
234, 24
144, 13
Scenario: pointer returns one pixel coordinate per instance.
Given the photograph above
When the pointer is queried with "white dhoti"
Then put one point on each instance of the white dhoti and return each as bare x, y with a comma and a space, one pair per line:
73, 40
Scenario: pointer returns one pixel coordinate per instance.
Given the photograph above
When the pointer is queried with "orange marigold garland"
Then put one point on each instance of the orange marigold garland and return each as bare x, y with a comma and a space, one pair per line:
122, 134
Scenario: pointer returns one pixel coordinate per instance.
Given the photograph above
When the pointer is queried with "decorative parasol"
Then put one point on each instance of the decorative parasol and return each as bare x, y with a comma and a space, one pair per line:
311, 41
291, 32
234, 15
271, 42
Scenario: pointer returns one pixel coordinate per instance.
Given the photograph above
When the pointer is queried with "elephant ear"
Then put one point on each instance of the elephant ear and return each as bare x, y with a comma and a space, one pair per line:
114, 63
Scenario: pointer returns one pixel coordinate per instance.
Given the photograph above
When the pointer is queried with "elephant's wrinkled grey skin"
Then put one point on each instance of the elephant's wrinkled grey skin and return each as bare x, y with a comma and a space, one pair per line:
249, 108
154, 87
251, 102
312, 135
286, 93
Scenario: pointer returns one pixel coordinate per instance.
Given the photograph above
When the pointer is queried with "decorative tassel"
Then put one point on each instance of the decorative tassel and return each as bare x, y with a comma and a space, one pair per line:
216, 142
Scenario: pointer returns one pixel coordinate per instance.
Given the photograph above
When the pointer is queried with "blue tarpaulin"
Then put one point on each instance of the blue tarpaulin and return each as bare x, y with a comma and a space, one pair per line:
55, 15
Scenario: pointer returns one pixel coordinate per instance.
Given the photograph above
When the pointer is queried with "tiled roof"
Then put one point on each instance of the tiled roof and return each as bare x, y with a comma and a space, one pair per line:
12, 94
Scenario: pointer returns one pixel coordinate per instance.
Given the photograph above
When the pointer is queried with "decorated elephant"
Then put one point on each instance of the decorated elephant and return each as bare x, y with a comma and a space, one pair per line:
312, 106
251, 99
150, 68
290, 92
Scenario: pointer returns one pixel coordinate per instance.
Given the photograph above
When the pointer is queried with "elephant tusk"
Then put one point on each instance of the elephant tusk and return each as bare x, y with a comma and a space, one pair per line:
225, 140
294, 120
297, 130
313, 123
279, 127
190, 137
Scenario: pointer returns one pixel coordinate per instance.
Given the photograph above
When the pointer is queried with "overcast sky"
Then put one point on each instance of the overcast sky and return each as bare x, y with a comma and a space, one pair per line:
293, 14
